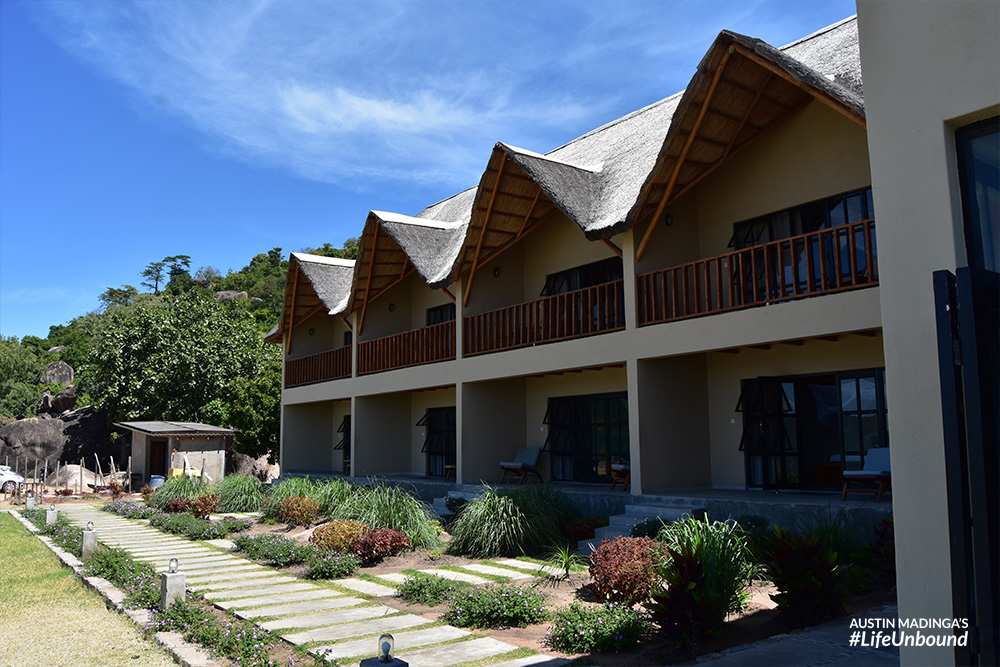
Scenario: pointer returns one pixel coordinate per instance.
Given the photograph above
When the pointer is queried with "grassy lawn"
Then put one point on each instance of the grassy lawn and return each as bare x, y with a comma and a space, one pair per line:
50, 618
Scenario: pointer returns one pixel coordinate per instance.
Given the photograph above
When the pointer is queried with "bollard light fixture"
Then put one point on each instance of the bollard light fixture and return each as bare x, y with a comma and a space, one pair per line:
172, 566
52, 507
385, 644
90, 525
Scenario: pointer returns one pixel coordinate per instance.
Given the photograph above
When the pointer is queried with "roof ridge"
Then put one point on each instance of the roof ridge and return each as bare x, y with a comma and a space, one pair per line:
821, 31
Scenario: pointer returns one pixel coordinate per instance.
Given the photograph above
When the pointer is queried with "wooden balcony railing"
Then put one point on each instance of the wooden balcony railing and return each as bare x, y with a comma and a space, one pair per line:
331, 365
410, 348
830, 260
584, 312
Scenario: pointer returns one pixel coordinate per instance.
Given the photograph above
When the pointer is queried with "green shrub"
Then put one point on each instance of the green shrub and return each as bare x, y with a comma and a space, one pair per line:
138, 579
298, 511
843, 533
756, 534
611, 627
428, 589
565, 559
239, 493
177, 505
622, 569
189, 525
704, 569
580, 529
382, 505
242, 642
234, 525
181, 486
497, 606
331, 565
455, 504
376, 545
129, 509
275, 549
811, 586
338, 535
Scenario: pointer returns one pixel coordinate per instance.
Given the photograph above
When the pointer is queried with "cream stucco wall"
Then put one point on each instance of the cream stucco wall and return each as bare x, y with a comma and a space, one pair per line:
308, 434
814, 154
929, 67
491, 422
327, 334
381, 429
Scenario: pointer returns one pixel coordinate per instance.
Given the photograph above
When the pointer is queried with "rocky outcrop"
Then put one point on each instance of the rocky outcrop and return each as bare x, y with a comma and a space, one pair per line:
241, 464
67, 438
56, 372
62, 402
229, 295
57, 349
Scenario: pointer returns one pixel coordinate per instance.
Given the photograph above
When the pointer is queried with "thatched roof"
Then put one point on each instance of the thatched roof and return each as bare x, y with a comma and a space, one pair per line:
618, 175
314, 284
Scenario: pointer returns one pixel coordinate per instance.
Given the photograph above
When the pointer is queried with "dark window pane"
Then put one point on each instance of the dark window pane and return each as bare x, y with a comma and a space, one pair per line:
979, 172
868, 398
848, 395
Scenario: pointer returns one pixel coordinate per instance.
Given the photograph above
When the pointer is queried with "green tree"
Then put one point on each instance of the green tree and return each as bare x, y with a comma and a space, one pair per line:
255, 407
169, 360
153, 274
19, 367
115, 296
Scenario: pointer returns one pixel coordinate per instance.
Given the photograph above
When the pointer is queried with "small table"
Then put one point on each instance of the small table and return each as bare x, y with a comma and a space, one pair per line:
449, 472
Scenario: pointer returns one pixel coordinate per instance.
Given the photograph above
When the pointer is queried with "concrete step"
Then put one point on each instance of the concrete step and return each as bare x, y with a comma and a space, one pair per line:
622, 524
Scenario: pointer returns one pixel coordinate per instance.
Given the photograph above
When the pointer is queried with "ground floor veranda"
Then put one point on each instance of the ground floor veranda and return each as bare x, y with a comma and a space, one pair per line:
785, 416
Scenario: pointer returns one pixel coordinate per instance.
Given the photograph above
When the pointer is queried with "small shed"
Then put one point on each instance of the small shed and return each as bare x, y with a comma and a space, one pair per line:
158, 447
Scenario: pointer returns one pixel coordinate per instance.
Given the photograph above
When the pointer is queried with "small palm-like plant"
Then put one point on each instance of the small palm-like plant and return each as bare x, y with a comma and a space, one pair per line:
565, 559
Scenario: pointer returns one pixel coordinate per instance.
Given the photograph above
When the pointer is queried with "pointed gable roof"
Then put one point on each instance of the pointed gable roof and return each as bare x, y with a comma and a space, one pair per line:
314, 284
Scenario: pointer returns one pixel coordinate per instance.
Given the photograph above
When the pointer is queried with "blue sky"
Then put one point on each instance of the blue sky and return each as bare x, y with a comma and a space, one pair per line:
221, 129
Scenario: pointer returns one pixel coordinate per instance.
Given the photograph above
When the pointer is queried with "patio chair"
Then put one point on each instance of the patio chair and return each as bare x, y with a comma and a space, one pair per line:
876, 473
525, 463
621, 472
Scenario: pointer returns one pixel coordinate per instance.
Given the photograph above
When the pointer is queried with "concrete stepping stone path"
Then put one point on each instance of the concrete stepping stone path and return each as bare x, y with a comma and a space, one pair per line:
402, 640
366, 587
303, 612
530, 567
299, 607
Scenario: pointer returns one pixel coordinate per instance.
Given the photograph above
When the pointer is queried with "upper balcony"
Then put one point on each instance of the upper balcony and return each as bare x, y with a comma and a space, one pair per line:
576, 314
426, 345
322, 367
823, 262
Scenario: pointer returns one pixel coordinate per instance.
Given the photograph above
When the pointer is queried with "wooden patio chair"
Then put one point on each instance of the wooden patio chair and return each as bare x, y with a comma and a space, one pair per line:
876, 473
621, 472
525, 463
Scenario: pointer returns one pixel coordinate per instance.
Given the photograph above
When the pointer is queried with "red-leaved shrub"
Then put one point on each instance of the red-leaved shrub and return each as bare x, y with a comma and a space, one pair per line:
202, 506
375, 545
178, 505
298, 510
622, 569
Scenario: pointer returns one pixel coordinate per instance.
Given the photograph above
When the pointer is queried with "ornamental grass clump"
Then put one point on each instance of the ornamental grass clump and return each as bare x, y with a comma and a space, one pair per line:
704, 570
511, 521
622, 569
274, 549
497, 606
332, 495
294, 487
610, 627
182, 486
239, 493
812, 586
381, 505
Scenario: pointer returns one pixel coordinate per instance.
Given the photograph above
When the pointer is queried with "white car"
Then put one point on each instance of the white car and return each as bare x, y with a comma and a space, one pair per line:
9, 480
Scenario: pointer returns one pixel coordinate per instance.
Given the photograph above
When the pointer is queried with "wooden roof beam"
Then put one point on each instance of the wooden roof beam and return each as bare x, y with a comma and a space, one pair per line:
482, 233
291, 310
615, 249
499, 250
640, 251
527, 216
368, 284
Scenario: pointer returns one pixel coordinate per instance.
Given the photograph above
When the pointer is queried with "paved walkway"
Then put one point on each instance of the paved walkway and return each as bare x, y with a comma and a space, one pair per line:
336, 622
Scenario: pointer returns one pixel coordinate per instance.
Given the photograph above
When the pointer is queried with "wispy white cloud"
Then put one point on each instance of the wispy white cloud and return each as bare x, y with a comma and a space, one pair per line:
347, 92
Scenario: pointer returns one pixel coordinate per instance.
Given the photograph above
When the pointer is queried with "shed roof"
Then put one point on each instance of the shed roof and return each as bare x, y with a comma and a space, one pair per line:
180, 429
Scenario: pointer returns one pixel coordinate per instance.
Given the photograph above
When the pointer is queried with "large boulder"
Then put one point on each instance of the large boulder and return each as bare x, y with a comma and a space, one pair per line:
62, 402
67, 438
241, 464
56, 372
229, 295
